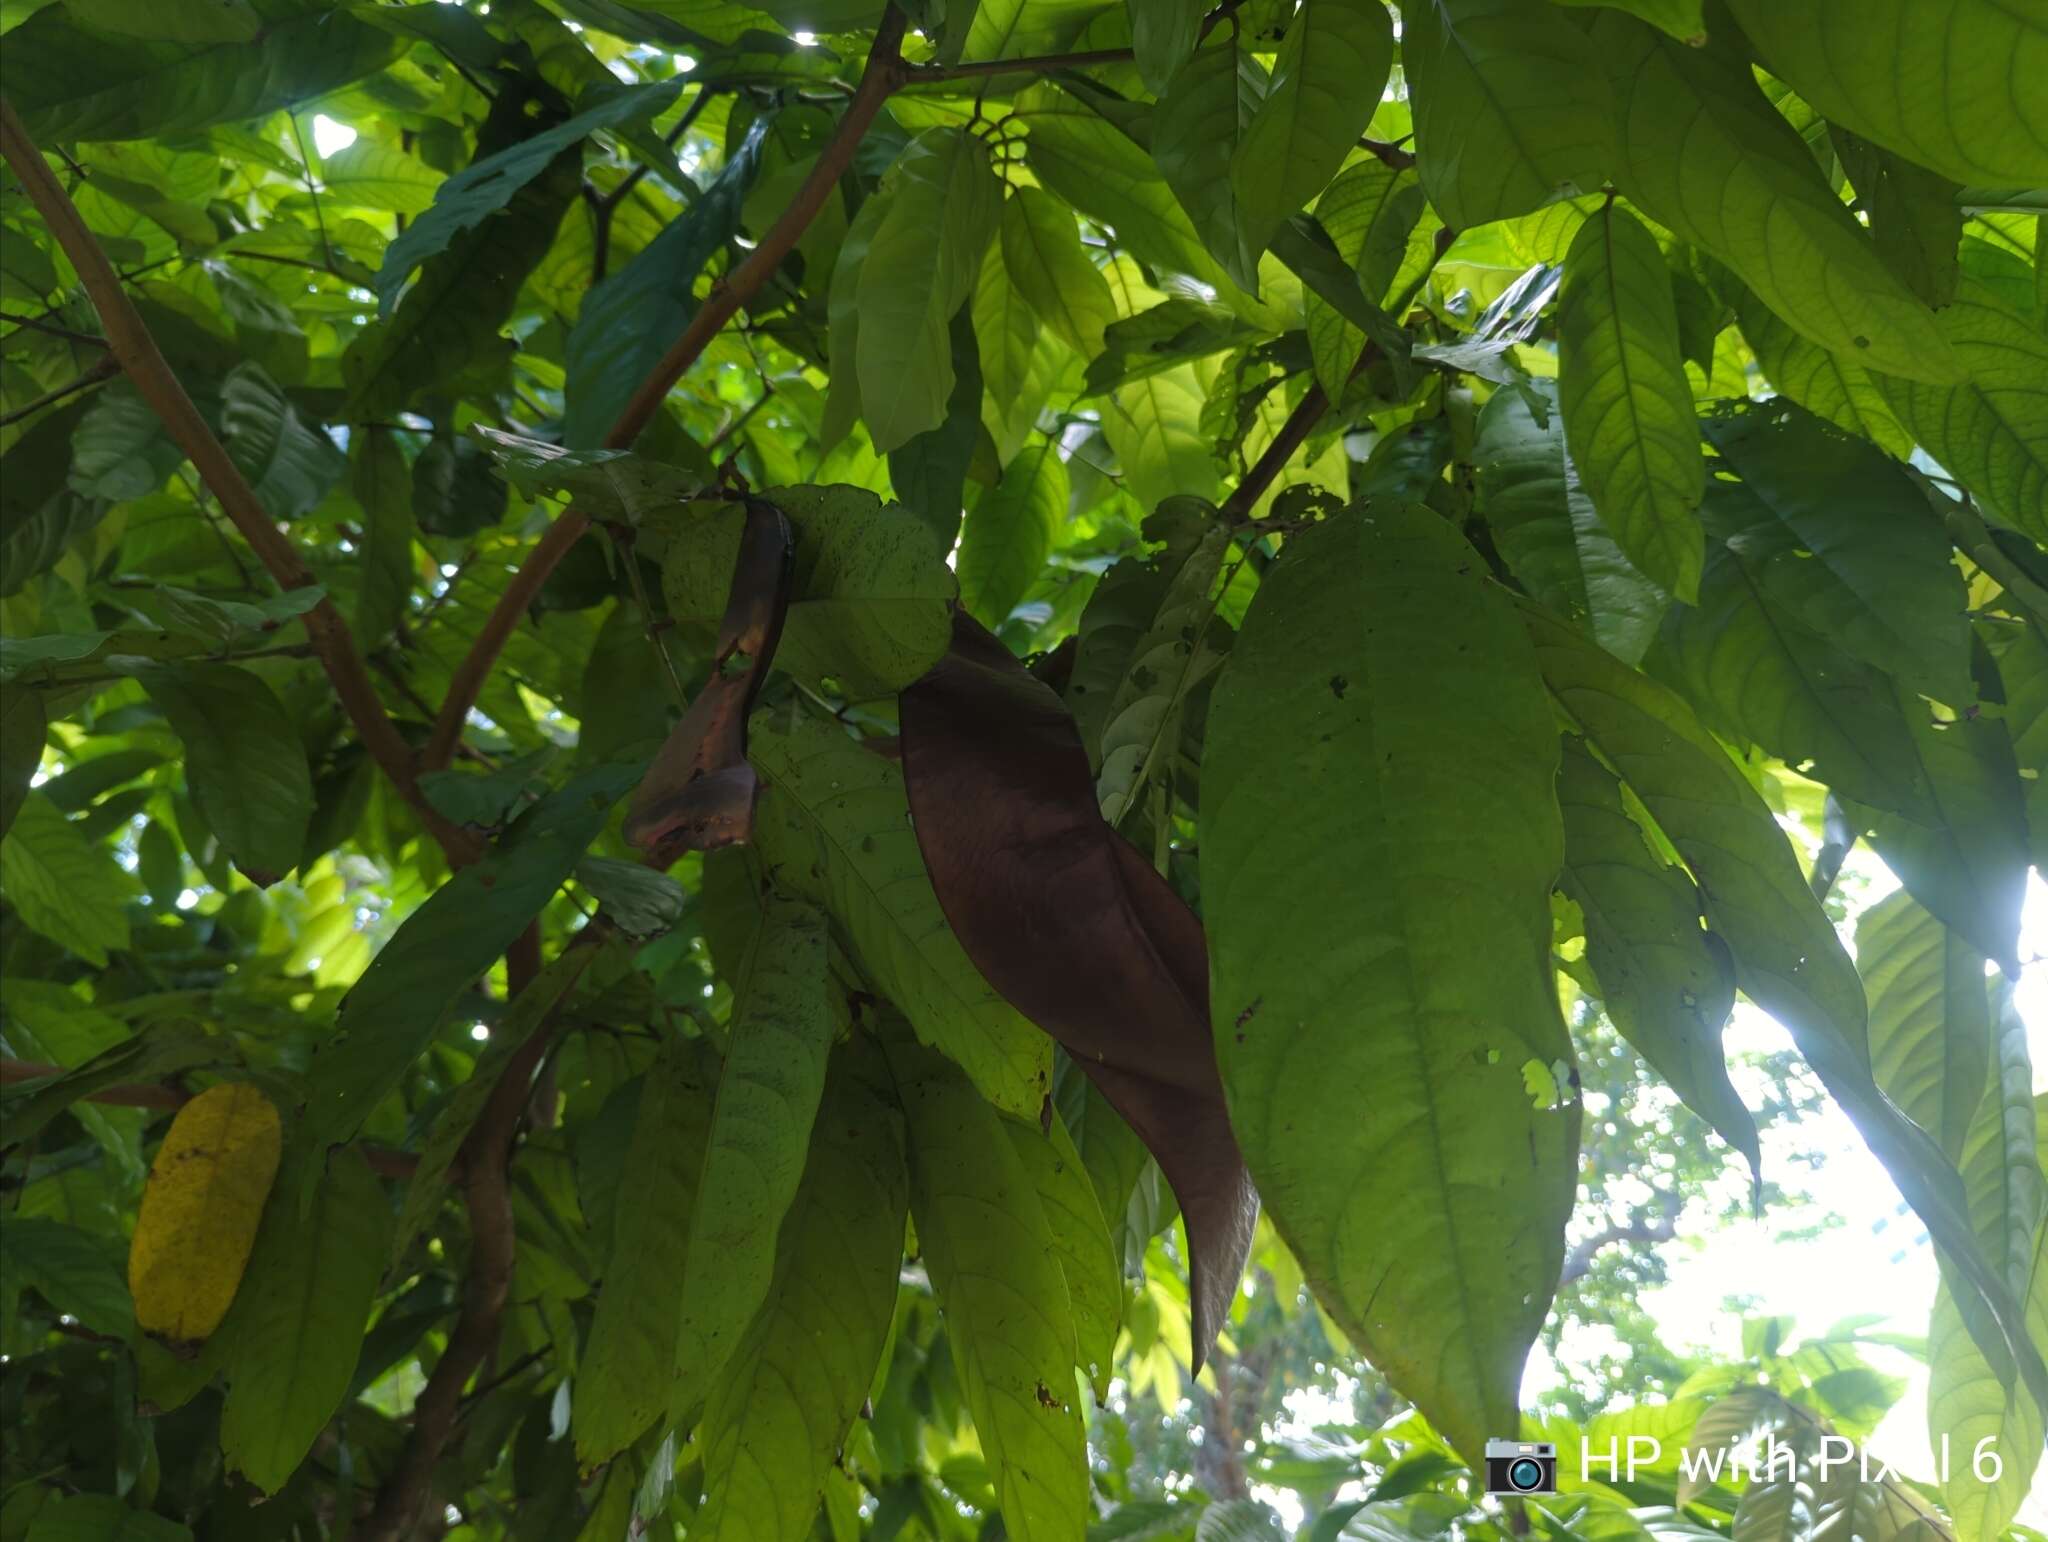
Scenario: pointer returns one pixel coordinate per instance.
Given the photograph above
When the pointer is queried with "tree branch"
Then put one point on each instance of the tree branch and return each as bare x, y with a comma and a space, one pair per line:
103, 369
1301, 422
1042, 64
884, 73
136, 351
1646, 1229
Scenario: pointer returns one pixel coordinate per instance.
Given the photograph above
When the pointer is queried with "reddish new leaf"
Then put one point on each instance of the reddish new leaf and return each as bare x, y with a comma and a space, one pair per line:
1070, 923
699, 793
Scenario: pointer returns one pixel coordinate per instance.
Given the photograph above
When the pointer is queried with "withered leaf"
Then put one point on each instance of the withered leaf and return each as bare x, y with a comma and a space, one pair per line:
1071, 925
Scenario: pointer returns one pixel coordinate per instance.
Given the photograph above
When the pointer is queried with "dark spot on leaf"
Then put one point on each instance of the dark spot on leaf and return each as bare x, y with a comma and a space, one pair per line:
1338, 685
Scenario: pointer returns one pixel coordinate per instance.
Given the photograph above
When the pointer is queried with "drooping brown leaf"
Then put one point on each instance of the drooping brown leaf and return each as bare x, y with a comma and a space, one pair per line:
699, 793
1071, 924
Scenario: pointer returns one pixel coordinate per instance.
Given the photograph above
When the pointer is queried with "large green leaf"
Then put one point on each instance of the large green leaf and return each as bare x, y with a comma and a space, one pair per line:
1627, 405
1090, 1261
1829, 385
1043, 256
1704, 153
102, 1518
1009, 1318
1155, 427
245, 764
842, 317
77, 1272
871, 600
1668, 984
1915, 216
71, 82
1326, 85
929, 471
1512, 108
834, 828
382, 486
1020, 358
392, 1011
1010, 532
768, 1095
1839, 536
290, 467
777, 1418
1197, 130
368, 175
296, 1326
1991, 431
1374, 1036
64, 885
628, 1368
629, 319
23, 729
1944, 84
920, 267
1547, 531
1163, 34
1980, 1417
1930, 1016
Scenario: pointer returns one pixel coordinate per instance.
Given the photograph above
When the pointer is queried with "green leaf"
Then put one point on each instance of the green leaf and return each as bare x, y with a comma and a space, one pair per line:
1547, 531
1327, 81
1914, 215
1042, 255
121, 450
70, 82
870, 605
1627, 405
833, 827
1376, 642
456, 490
1163, 34
1680, 18
614, 484
22, 732
77, 1272
1090, 1261
392, 1011
297, 1322
997, 1272
1842, 538
245, 764
1668, 984
777, 1418
1198, 132
842, 317
630, 318
628, 1365
1968, 1405
1990, 432
1512, 108
1930, 1016
369, 175
929, 472
921, 266
175, 21
101, 1518
1010, 531
383, 489
63, 885
768, 1094
489, 184
1705, 154
1019, 357
1155, 427
1942, 85
290, 467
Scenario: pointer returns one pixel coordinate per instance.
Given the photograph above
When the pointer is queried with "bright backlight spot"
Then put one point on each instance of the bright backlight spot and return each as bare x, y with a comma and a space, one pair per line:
479, 1032
329, 137
806, 39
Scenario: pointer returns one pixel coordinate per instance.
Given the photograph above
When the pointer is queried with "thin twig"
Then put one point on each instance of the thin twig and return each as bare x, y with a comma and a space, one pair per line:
1041, 64
104, 369
884, 73
130, 343
312, 192
38, 324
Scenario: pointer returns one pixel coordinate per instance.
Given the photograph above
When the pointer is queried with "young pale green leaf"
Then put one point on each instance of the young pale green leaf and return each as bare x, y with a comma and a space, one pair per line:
1010, 531
628, 1366
382, 486
1090, 1260
1943, 85
631, 316
1703, 151
1547, 531
1043, 256
23, 729
921, 266
245, 763
776, 1419
290, 467
871, 600
768, 1096
369, 175
1828, 385
1377, 659
1839, 536
1198, 131
1163, 34
1326, 84
1668, 984
293, 1335
1511, 107
1930, 1016
834, 828
71, 82
1991, 431
1009, 1317
1627, 405
466, 924
64, 885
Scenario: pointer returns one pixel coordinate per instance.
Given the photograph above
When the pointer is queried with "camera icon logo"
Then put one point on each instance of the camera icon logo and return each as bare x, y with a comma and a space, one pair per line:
1521, 1467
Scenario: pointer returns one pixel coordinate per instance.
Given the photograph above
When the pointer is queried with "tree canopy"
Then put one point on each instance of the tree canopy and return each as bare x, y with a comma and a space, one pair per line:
738, 736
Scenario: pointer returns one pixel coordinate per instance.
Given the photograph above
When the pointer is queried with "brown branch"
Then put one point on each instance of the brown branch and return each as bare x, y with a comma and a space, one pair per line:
38, 324
1643, 1229
884, 73
1389, 155
1301, 422
144, 363
1041, 64
104, 368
